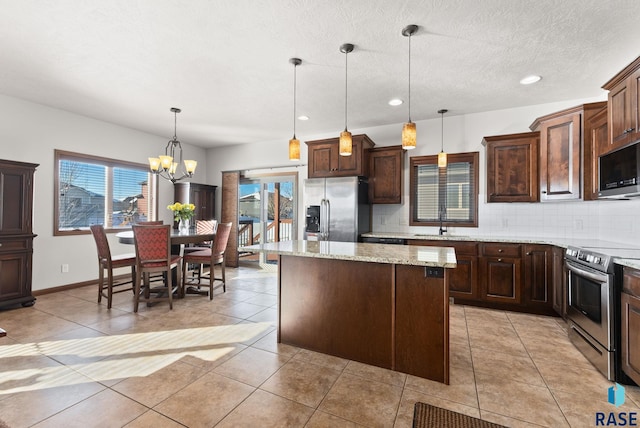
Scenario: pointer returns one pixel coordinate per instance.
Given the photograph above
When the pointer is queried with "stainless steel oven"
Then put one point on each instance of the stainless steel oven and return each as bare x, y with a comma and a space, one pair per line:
590, 307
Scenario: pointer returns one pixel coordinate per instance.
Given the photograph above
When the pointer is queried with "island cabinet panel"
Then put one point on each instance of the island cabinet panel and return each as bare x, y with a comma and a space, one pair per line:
512, 167
422, 327
325, 161
337, 307
624, 103
463, 279
630, 336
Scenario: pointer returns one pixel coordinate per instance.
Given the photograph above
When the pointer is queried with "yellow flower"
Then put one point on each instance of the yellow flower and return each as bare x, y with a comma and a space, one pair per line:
182, 211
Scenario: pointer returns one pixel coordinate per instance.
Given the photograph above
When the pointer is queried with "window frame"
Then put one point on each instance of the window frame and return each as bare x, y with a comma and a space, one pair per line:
60, 155
471, 157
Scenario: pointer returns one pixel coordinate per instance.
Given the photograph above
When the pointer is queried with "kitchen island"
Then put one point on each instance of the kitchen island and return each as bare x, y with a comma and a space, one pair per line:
384, 305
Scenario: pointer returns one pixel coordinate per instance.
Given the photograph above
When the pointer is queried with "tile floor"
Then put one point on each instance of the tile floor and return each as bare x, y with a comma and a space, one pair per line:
68, 361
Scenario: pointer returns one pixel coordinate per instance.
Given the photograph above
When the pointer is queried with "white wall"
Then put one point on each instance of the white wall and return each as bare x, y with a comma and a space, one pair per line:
607, 220
30, 132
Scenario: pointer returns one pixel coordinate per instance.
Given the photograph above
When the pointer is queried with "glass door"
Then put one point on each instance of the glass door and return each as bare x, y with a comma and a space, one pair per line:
267, 212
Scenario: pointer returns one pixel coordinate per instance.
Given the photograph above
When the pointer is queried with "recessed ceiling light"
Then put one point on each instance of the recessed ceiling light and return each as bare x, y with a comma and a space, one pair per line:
395, 102
530, 79
303, 117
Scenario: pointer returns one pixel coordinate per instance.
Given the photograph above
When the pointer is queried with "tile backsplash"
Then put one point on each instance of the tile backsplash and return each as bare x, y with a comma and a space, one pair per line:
610, 220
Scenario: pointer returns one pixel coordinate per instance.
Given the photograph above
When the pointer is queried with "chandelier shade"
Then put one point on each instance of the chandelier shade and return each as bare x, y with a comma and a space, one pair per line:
409, 129
166, 166
346, 143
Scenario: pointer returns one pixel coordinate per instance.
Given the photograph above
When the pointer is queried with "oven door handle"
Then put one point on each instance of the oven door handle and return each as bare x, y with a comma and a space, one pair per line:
587, 274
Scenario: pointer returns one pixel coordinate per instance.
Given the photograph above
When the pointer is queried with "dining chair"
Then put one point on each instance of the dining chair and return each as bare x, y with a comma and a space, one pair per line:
153, 255
202, 227
107, 262
212, 256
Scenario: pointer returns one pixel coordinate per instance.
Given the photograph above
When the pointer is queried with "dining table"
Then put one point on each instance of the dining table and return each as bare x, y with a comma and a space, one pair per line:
179, 239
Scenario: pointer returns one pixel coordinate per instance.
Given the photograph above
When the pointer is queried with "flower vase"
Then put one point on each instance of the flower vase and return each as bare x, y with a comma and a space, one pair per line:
183, 226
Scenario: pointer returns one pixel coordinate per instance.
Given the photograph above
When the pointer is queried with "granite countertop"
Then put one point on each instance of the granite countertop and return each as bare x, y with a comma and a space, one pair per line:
362, 252
599, 244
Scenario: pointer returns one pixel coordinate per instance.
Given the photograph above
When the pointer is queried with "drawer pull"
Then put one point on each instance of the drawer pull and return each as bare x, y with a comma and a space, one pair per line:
500, 250
499, 260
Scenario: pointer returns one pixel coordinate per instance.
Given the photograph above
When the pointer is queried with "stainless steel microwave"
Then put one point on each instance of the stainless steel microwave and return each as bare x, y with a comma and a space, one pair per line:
619, 173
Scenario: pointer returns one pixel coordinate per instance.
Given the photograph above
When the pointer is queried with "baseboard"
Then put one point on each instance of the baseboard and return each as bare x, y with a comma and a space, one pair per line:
66, 287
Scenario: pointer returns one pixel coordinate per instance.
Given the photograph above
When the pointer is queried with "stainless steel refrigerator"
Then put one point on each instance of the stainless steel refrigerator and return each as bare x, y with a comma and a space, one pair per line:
337, 209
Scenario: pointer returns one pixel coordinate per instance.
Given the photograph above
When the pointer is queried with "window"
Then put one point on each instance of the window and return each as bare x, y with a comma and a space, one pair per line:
448, 195
94, 190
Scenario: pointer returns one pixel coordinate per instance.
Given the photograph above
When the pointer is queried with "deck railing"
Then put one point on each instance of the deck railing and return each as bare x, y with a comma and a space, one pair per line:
248, 234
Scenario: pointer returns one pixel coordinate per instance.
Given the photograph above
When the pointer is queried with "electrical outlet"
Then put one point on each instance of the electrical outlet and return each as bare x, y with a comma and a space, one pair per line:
64, 268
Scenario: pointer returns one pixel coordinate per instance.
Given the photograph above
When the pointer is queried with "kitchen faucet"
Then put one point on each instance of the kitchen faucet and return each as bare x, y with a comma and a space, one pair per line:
441, 212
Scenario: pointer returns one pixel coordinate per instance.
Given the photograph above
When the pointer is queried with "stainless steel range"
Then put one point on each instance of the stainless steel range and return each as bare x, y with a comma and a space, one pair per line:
593, 304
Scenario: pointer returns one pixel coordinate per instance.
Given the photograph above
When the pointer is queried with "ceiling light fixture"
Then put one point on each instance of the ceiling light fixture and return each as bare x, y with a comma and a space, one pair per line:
303, 117
345, 136
442, 156
533, 78
164, 165
395, 102
409, 128
294, 143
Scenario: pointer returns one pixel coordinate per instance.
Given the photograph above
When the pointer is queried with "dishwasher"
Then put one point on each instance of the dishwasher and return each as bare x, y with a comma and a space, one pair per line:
379, 240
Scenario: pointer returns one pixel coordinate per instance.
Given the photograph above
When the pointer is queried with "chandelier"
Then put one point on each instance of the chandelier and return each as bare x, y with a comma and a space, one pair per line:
165, 165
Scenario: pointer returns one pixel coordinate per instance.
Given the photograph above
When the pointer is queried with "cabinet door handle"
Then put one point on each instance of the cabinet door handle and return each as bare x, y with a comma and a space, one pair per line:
528, 254
499, 260
500, 250
629, 130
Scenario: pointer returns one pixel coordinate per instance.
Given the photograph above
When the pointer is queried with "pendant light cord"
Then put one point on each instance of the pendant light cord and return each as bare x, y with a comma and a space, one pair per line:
175, 125
346, 54
409, 97
442, 132
295, 67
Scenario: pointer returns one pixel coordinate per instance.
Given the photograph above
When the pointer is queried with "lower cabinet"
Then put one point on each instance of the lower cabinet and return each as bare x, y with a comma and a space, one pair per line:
516, 277
630, 319
559, 282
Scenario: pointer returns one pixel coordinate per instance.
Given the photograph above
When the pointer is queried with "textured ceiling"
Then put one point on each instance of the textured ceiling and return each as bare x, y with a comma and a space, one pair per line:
225, 63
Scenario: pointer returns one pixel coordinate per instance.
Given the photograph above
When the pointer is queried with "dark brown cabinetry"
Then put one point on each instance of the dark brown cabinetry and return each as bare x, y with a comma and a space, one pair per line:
538, 275
510, 276
562, 139
463, 280
385, 175
559, 283
596, 143
203, 196
512, 167
630, 318
16, 236
501, 273
325, 161
624, 102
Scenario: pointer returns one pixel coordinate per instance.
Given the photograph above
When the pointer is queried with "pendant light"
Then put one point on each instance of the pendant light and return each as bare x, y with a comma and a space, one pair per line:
409, 128
345, 136
294, 143
442, 156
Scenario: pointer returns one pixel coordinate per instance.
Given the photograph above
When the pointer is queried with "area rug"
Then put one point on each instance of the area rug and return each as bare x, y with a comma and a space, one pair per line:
428, 416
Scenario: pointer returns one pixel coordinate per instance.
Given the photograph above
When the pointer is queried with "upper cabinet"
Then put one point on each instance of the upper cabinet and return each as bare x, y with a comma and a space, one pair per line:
325, 161
562, 139
512, 167
596, 143
624, 103
385, 175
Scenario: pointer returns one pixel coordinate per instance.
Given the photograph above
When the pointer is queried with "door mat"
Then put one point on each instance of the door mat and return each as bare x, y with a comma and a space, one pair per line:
428, 416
